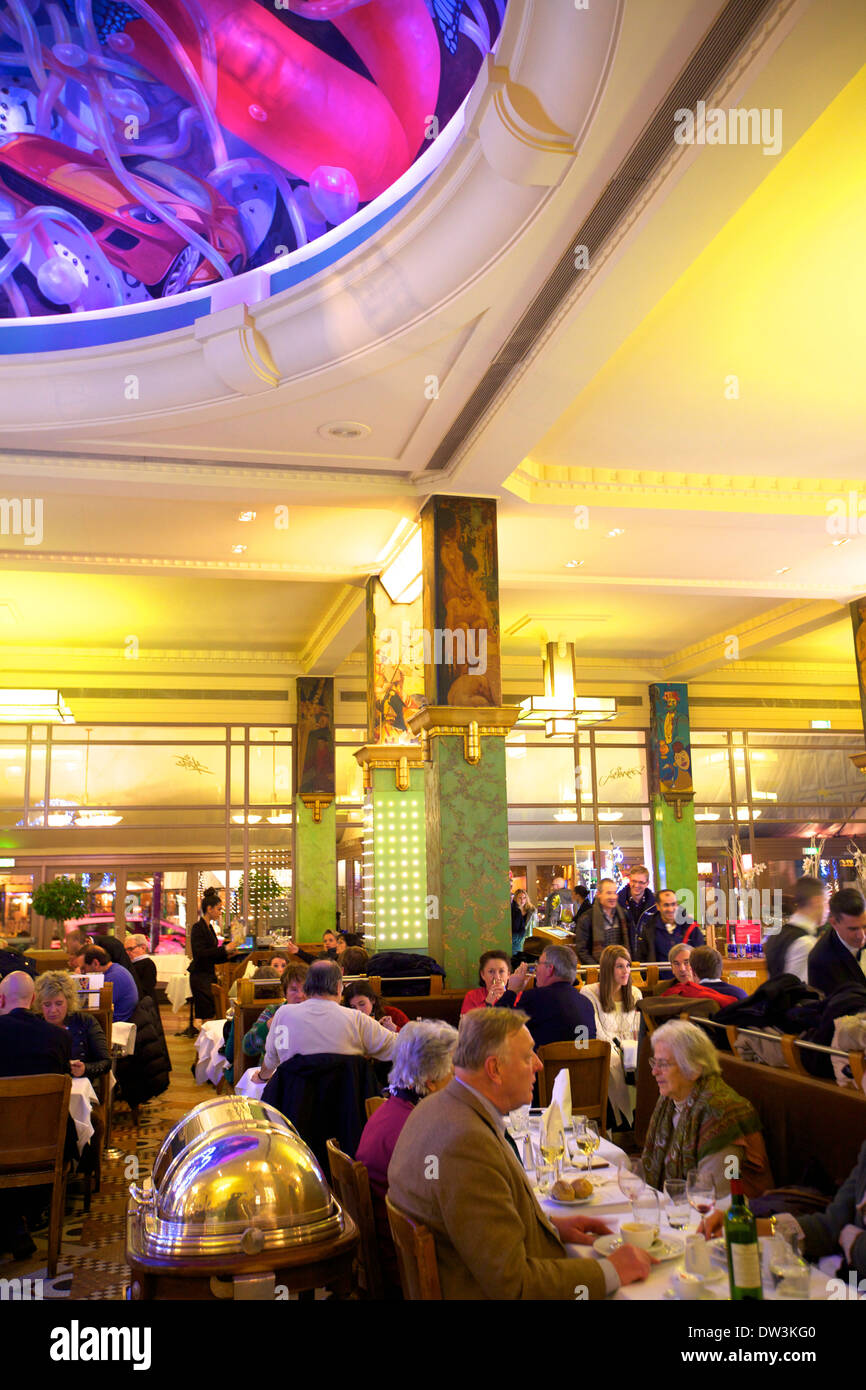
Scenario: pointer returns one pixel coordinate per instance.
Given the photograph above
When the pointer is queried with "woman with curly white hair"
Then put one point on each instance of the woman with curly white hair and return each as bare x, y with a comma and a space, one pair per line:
422, 1063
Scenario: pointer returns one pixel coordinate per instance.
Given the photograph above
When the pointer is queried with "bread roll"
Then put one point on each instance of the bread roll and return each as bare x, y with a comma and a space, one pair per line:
563, 1192
582, 1187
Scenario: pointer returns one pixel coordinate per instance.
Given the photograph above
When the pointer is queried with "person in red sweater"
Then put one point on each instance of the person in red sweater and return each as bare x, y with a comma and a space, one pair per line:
422, 1063
494, 968
684, 984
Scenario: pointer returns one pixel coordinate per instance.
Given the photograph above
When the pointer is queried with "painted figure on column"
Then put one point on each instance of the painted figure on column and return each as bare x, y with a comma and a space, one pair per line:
670, 738
462, 596
395, 656
316, 734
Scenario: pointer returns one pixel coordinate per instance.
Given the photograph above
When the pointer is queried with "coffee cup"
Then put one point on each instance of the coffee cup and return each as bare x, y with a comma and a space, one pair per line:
639, 1233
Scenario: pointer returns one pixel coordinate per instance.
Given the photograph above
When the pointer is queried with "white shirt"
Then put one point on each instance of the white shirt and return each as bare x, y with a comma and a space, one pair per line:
322, 1025
797, 954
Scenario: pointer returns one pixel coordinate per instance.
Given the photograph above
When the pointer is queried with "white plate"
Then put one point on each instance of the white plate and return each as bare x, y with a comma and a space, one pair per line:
669, 1248
578, 1201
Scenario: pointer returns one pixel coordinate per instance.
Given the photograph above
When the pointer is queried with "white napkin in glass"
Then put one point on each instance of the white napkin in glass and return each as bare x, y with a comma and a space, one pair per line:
562, 1095
550, 1131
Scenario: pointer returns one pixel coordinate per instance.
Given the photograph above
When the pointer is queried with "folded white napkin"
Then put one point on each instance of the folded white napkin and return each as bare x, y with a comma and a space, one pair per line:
562, 1094
551, 1132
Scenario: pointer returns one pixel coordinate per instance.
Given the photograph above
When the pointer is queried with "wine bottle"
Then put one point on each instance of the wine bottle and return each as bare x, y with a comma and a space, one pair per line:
744, 1252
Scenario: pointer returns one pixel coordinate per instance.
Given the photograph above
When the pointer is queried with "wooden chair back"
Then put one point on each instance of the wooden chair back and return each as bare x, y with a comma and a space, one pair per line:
416, 1256
220, 999
372, 1103
33, 1115
394, 982
589, 1073
351, 1183
103, 1011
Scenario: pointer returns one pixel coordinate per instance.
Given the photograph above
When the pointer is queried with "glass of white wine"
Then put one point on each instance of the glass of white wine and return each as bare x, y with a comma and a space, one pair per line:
586, 1137
552, 1148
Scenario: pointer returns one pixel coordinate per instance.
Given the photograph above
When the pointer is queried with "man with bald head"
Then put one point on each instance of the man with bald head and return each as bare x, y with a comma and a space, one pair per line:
28, 1045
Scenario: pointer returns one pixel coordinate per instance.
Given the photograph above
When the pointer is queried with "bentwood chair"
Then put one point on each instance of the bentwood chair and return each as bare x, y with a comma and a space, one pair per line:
351, 1183
589, 1072
416, 1257
220, 999
372, 1104
34, 1111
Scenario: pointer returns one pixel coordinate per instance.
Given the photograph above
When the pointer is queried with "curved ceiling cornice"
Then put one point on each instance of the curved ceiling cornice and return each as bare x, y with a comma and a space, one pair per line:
422, 250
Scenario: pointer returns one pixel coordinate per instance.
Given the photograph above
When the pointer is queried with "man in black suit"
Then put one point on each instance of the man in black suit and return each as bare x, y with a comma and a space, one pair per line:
28, 1047
555, 1008
838, 957
707, 969
141, 966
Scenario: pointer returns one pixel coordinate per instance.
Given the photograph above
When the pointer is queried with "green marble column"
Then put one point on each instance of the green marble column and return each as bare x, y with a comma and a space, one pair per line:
315, 870
676, 847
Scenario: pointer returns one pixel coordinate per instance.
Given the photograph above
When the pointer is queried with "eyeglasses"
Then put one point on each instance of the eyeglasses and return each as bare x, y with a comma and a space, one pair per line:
661, 1066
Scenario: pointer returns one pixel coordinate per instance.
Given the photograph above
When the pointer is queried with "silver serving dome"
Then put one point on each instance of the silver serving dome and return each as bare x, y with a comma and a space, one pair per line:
233, 1177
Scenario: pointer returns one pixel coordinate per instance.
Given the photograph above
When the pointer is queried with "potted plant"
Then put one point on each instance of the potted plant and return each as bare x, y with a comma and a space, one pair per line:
60, 899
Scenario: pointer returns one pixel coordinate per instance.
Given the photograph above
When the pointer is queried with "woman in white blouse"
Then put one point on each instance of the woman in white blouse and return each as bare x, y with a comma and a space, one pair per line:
617, 1021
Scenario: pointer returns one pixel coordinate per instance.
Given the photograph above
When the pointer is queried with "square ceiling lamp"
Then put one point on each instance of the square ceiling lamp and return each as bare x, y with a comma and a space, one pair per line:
34, 707
559, 710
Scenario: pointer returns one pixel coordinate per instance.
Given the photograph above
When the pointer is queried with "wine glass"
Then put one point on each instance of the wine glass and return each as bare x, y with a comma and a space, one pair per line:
678, 1208
631, 1181
701, 1192
552, 1148
587, 1140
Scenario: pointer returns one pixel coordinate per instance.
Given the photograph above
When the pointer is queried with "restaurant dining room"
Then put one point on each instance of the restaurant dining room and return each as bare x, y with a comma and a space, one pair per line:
433, 670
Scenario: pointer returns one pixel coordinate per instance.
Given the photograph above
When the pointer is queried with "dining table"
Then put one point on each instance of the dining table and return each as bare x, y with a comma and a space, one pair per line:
172, 969
81, 1101
610, 1206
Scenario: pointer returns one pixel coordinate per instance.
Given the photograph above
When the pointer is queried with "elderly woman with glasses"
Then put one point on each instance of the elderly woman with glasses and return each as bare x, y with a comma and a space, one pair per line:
422, 1063
699, 1122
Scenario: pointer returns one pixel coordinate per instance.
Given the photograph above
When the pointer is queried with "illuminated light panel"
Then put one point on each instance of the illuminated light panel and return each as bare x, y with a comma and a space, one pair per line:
34, 707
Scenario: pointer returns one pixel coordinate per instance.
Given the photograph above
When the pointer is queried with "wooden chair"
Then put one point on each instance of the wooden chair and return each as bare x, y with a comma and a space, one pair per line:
34, 1111
104, 1015
416, 1257
372, 1103
589, 1072
351, 1183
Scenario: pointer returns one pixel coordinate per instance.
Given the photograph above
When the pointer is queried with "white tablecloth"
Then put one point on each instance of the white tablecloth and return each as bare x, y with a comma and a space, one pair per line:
210, 1065
612, 1208
123, 1036
171, 973
82, 1099
246, 1087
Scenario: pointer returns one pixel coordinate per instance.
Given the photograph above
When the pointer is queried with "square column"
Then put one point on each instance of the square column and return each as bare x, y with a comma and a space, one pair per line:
314, 828
395, 872
671, 788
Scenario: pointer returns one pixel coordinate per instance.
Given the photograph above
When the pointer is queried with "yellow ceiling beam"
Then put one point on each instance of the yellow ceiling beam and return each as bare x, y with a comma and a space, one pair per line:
723, 649
544, 484
337, 633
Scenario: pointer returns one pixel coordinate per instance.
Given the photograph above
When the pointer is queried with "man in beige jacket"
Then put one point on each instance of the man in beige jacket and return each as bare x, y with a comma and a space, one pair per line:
456, 1169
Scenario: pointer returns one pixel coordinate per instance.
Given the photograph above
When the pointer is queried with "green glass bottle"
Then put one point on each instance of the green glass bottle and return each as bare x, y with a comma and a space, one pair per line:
744, 1252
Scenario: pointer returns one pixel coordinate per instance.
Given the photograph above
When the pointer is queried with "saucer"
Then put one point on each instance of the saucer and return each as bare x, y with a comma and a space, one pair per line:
661, 1250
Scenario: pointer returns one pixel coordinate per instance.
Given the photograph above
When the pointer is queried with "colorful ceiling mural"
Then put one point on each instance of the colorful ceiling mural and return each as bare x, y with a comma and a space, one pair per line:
148, 149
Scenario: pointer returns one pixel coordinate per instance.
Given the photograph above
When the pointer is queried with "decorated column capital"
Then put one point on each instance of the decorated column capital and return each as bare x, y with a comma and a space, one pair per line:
471, 723
398, 757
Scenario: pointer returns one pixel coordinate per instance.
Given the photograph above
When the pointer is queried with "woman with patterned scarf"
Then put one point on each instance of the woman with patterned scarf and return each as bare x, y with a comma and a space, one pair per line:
699, 1122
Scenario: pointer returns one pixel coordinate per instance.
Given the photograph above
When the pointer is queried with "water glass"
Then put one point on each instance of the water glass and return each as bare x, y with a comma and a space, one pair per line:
545, 1176
519, 1121
678, 1203
789, 1272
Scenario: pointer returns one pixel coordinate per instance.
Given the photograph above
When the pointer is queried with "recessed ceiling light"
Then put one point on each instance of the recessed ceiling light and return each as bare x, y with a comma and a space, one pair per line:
344, 429
247, 516
617, 531
238, 549
573, 564
843, 541
784, 570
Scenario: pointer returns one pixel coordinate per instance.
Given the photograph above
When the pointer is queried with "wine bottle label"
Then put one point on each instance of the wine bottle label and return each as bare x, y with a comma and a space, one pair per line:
746, 1265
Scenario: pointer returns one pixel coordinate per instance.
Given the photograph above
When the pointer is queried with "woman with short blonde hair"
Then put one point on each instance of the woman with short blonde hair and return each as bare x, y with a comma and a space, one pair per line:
56, 999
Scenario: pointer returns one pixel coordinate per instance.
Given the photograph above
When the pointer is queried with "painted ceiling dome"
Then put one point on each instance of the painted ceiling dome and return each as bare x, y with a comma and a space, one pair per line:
159, 147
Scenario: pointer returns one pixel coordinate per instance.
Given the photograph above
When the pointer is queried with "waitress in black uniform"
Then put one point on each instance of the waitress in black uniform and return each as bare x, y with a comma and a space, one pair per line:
206, 953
